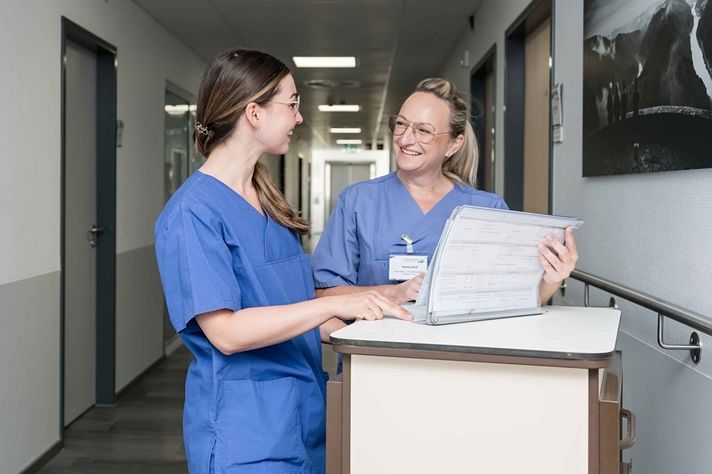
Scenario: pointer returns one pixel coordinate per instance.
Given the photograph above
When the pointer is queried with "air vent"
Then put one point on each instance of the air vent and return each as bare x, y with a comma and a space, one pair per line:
320, 84
329, 84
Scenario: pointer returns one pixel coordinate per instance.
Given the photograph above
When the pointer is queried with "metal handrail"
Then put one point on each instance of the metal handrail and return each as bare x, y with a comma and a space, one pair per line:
662, 307
679, 314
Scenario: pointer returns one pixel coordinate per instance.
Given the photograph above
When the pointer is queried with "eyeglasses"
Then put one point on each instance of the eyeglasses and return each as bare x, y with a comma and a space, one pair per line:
294, 105
422, 132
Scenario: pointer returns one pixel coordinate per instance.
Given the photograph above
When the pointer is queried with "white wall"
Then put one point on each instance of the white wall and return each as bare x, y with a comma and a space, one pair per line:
30, 46
645, 231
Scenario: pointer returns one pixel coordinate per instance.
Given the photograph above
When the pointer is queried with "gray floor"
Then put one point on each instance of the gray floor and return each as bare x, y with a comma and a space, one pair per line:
142, 434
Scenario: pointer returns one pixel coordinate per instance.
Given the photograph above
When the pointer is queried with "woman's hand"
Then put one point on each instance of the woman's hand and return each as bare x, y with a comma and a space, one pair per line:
369, 305
408, 290
558, 260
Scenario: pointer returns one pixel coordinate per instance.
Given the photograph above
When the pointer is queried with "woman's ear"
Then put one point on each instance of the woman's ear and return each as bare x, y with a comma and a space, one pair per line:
252, 114
455, 144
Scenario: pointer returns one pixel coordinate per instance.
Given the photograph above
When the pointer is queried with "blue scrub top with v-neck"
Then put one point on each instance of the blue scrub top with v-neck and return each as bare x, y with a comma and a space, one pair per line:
261, 410
366, 227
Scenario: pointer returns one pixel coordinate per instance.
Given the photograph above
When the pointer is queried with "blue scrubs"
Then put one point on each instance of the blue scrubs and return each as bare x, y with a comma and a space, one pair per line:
366, 227
258, 411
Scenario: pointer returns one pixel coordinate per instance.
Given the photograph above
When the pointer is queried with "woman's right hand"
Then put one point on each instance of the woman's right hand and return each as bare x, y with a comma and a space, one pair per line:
369, 305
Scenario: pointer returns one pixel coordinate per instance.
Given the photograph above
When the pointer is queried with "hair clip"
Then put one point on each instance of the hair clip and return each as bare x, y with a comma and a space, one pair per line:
202, 129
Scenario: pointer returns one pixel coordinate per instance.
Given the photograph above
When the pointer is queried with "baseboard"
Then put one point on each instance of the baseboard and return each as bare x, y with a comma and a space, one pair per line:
44, 458
139, 377
173, 345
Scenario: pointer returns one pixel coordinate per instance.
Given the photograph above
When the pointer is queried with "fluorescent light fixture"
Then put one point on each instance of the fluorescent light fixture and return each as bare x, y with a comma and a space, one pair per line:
344, 141
339, 108
180, 109
344, 130
325, 61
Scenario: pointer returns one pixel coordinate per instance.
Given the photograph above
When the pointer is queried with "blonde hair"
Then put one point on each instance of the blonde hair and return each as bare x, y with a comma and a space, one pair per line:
462, 165
233, 80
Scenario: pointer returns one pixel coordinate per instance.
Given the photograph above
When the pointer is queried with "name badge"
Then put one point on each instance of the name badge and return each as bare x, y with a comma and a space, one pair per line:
404, 267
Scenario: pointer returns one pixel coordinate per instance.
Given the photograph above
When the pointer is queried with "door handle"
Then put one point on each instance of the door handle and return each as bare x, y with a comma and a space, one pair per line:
631, 436
94, 231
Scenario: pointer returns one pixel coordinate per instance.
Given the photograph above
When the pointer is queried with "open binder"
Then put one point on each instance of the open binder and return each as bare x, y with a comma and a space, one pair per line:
486, 266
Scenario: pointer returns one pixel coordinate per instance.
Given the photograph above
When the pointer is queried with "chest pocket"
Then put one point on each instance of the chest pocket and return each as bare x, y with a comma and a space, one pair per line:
286, 281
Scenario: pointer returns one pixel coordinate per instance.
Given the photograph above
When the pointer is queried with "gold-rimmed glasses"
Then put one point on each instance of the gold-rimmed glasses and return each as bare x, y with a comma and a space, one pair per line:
294, 105
422, 132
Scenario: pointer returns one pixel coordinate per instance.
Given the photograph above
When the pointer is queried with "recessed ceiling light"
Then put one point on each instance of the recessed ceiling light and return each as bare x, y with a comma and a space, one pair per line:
339, 108
344, 130
344, 141
180, 109
325, 61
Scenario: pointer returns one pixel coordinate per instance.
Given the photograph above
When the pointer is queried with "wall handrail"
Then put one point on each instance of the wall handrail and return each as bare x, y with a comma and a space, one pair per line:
685, 316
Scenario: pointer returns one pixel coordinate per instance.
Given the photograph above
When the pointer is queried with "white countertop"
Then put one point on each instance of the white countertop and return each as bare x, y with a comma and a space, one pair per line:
561, 332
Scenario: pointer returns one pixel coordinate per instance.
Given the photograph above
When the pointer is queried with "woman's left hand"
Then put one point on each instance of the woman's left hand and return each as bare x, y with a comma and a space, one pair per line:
558, 259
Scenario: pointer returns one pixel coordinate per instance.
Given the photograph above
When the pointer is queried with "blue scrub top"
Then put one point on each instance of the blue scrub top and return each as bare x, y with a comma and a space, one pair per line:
368, 221
255, 411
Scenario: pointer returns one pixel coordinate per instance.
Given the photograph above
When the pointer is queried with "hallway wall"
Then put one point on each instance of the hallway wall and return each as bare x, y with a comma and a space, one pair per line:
645, 231
30, 203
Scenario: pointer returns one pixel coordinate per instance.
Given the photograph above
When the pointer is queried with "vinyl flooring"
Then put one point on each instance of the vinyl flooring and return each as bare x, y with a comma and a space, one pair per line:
141, 434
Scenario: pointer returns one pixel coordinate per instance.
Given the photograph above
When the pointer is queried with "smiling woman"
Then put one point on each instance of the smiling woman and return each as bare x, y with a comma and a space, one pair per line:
239, 288
380, 226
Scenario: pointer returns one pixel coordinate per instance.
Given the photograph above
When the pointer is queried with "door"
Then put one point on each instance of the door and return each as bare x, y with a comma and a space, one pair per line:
80, 208
482, 89
338, 175
536, 120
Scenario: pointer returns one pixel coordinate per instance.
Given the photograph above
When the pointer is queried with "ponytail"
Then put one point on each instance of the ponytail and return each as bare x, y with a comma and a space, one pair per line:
462, 165
274, 202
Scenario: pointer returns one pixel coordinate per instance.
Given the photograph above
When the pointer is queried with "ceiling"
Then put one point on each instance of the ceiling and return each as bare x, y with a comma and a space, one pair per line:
396, 43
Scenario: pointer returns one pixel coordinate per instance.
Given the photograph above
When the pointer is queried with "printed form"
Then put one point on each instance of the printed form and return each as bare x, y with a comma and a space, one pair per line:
487, 265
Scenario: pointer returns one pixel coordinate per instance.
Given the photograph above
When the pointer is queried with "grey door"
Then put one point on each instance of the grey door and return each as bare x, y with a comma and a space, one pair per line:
80, 216
341, 174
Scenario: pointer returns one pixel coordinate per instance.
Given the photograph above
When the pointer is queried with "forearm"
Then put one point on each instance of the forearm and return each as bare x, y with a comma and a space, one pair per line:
389, 291
325, 330
253, 328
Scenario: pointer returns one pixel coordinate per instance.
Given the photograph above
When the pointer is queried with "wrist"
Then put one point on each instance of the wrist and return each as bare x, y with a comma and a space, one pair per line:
389, 291
327, 308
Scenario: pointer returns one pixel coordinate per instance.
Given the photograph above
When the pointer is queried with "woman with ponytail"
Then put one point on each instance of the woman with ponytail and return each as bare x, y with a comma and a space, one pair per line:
383, 232
239, 289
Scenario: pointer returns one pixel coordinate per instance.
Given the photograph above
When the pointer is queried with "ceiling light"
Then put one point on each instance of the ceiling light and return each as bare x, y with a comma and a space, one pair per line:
325, 61
344, 130
344, 141
339, 108
179, 109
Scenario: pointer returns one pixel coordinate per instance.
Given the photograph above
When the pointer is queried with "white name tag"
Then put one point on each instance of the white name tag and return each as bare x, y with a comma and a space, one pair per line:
404, 267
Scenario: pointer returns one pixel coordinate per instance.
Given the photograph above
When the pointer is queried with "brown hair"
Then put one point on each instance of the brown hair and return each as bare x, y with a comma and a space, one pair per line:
233, 80
462, 165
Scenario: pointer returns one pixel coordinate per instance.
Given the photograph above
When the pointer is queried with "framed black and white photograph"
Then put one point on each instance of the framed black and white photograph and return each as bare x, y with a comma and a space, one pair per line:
647, 86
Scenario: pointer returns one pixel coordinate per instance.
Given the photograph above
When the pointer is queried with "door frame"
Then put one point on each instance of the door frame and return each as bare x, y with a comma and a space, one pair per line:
477, 87
106, 212
533, 15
